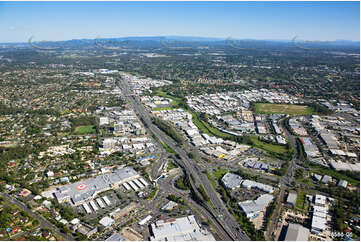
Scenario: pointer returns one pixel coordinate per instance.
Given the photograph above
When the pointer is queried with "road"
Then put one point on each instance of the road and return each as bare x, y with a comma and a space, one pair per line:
227, 221
285, 181
170, 189
43, 222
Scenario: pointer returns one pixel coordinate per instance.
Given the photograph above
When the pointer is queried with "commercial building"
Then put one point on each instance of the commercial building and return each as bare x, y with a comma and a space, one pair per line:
318, 224
169, 206
330, 140
320, 200
296, 232
316, 177
145, 220
319, 215
106, 221
291, 199
231, 181
86, 229
116, 237
343, 166
80, 192
257, 185
310, 149
179, 229
118, 213
326, 179
342, 183
253, 207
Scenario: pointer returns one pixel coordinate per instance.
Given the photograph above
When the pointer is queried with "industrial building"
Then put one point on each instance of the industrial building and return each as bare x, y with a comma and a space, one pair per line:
231, 181
326, 179
318, 224
330, 140
115, 237
253, 207
342, 183
320, 200
319, 215
106, 221
291, 199
343, 166
257, 185
169, 206
296, 232
179, 229
118, 213
79, 192
310, 149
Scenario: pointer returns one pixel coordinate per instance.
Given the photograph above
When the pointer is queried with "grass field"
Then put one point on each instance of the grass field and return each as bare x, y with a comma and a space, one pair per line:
301, 202
175, 100
279, 149
219, 173
88, 129
163, 108
291, 109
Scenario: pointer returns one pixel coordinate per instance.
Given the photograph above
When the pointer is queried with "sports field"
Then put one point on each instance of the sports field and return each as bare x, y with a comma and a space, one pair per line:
291, 109
89, 129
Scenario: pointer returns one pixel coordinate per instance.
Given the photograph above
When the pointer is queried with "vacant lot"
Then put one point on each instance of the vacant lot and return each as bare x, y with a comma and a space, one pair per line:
88, 129
291, 109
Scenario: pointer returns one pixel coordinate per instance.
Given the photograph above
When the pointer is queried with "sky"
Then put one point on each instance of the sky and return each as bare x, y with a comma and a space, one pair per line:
52, 21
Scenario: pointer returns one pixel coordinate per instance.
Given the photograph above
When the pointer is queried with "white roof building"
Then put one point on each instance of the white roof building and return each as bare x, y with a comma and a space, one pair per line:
257, 185
342, 183
50, 174
252, 208
231, 180
75, 221
81, 191
169, 206
179, 229
320, 200
106, 221
318, 224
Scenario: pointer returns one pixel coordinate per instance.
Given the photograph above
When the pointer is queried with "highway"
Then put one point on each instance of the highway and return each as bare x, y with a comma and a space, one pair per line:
43, 222
229, 224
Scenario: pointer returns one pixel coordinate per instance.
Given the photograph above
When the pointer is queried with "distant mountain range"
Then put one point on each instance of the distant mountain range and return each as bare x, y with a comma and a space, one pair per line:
191, 39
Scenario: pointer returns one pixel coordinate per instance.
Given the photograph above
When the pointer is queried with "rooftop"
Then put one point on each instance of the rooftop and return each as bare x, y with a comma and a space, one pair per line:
231, 180
83, 190
291, 198
296, 232
179, 229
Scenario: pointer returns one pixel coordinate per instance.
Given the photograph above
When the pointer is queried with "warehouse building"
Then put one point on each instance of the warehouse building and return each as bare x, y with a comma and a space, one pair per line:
253, 207
257, 185
319, 216
343, 166
80, 192
296, 232
342, 183
310, 149
291, 199
326, 179
115, 237
330, 140
320, 200
179, 229
231, 181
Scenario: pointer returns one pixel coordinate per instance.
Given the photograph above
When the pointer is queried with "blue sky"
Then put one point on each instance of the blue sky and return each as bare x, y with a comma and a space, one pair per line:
243, 20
